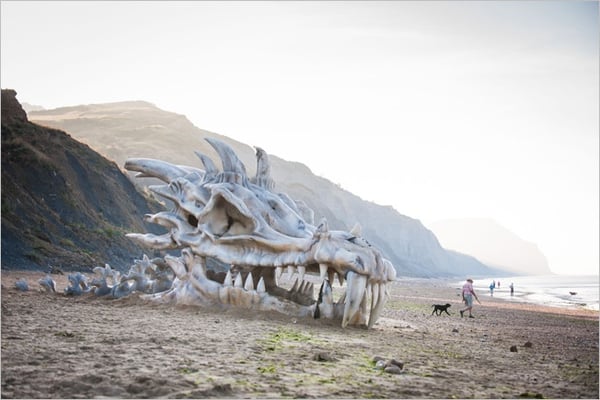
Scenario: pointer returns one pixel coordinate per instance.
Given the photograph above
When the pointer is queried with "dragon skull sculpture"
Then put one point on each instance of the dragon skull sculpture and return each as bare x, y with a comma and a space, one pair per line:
243, 224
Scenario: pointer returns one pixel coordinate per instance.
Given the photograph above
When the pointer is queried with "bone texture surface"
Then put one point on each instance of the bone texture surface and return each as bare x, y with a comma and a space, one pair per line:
223, 218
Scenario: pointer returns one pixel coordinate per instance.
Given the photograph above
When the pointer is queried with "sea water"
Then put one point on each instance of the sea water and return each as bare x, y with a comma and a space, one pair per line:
567, 291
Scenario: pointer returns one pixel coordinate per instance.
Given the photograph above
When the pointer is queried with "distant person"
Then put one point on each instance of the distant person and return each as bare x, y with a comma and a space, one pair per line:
492, 287
512, 289
467, 295
498, 284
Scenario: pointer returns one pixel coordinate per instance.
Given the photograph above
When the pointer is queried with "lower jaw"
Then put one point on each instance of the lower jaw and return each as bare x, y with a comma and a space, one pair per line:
203, 292
192, 287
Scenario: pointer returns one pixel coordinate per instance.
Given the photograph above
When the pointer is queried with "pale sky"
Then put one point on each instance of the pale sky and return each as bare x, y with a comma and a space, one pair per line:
440, 109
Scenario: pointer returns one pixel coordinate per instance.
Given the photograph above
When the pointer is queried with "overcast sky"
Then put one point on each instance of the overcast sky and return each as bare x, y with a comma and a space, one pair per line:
440, 109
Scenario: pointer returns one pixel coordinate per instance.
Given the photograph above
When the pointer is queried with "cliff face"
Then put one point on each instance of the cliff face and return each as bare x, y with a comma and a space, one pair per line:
62, 203
11, 109
139, 129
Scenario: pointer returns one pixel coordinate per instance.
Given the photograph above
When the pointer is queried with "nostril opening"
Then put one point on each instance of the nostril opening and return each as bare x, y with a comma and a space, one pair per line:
192, 221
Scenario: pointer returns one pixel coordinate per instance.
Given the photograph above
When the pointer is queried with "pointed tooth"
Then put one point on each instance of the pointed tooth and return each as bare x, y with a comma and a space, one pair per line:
377, 308
331, 276
390, 270
238, 281
291, 270
323, 271
261, 286
302, 286
278, 272
341, 279
249, 285
360, 317
301, 272
325, 307
228, 280
310, 289
354, 296
374, 295
295, 286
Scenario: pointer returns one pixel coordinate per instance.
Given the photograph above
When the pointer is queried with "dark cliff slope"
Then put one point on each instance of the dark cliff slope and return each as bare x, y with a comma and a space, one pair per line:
62, 203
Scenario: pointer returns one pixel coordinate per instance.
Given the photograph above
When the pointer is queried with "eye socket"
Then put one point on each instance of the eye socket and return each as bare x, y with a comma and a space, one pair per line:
193, 221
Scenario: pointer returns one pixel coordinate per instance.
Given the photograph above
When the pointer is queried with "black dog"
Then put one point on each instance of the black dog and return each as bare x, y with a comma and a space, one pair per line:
439, 308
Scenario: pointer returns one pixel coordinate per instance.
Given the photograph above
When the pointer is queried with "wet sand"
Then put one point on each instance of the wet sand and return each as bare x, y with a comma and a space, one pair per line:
55, 346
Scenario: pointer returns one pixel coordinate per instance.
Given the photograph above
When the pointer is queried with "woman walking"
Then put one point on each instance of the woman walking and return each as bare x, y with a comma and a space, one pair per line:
467, 294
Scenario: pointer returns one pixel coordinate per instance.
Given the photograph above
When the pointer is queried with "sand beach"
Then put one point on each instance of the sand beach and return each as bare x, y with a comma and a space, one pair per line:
55, 346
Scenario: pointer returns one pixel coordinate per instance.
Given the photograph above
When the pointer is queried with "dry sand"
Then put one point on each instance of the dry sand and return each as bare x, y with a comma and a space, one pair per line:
64, 347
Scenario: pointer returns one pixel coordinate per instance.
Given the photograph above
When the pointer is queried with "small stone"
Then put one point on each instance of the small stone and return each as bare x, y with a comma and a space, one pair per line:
393, 369
381, 364
377, 358
528, 344
322, 356
397, 363
455, 330
513, 349
22, 285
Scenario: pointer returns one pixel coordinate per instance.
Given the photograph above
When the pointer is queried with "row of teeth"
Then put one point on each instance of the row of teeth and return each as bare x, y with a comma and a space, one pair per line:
351, 307
324, 272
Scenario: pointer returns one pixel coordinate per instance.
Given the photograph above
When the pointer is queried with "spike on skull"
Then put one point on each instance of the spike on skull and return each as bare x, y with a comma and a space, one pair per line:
243, 223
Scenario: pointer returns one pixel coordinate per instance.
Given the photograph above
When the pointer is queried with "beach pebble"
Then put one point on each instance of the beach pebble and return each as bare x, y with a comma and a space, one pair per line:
528, 344
513, 349
382, 363
22, 285
454, 330
323, 356
393, 369
396, 363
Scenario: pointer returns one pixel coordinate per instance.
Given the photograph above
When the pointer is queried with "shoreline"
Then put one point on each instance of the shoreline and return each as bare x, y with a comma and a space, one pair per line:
54, 346
515, 302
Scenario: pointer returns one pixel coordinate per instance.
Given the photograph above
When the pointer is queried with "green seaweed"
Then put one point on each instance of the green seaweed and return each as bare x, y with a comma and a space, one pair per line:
276, 340
266, 369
